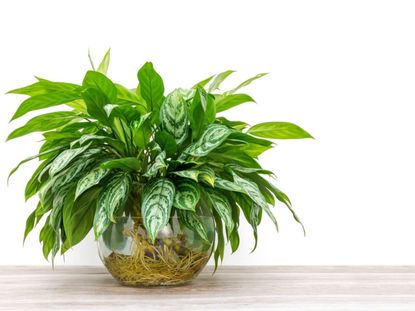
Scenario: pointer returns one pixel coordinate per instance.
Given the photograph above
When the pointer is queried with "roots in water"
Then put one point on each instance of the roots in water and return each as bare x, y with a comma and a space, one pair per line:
167, 262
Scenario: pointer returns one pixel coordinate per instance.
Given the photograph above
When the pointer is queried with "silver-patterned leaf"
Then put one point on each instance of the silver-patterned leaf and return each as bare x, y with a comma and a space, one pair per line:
89, 180
251, 189
63, 159
59, 198
63, 178
187, 195
212, 137
156, 207
157, 165
248, 170
191, 174
173, 116
222, 206
228, 185
207, 175
191, 220
111, 199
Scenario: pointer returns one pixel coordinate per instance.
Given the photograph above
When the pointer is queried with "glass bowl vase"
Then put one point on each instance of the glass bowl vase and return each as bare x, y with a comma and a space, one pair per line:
176, 256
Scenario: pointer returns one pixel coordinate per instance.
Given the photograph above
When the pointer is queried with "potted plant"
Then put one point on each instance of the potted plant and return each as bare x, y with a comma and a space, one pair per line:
161, 179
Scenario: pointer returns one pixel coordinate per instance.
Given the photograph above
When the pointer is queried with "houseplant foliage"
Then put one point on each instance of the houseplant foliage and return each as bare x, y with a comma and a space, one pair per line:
170, 154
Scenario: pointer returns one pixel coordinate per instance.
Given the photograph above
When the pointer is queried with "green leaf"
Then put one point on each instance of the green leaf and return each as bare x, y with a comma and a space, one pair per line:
30, 224
207, 174
128, 97
44, 101
222, 206
220, 244
203, 83
78, 217
34, 183
156, 206
187, 195
196, 115
98, 81
229, 101
237, 125
49, 151
62, 179
249, 139
157, 165
78, 105
234, 240
89, 180
103, 66
128, 164
217, 81
191, 174
95, 102
234, 156
142, 131
47, 236
279, 130
44, 86
253, 191
212, 137
173, 116
191, 220
64, 158
62, 195
281, 196
45, 122
228, 185
271, 216
207, 102
254, 150
151, 87
166, 142
247, 82
110, 201
248, 170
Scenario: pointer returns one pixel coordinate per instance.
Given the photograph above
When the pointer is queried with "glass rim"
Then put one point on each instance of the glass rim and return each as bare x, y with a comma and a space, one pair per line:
171, 217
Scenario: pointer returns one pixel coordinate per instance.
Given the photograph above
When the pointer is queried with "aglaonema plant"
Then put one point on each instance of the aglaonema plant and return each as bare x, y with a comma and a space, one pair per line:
165, 154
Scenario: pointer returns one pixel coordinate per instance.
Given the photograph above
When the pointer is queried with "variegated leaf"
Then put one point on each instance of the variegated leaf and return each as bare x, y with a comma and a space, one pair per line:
63, 178
111, 199
212, 137
63, 159
187, 195
156, 207
173, 116
157, 165
191, 174
207, 174
87, 137
222, 206
248, 170
227, 185
251, 189
191, 220
89, 180
63, 194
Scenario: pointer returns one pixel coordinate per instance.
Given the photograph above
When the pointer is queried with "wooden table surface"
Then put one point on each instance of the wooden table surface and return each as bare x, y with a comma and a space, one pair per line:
243, 288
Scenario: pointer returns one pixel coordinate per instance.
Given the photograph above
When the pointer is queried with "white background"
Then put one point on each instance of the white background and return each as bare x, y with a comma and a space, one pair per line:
343, 70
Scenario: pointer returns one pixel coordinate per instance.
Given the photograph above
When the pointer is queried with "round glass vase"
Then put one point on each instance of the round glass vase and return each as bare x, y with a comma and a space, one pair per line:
176, 256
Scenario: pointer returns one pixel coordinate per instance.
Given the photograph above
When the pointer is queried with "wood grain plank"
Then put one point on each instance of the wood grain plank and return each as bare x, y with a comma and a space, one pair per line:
238, 287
